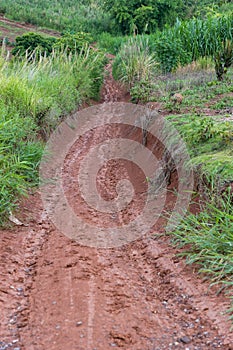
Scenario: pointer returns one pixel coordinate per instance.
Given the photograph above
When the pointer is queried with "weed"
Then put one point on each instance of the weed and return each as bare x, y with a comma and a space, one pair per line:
20, 154
134, 63
208, 237
35, 96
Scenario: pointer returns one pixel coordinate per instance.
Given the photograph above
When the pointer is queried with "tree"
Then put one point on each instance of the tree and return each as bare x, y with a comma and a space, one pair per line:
143, 16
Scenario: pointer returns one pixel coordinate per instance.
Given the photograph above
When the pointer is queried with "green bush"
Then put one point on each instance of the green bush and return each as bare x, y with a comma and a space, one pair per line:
170, 52
72, 43
33, 43
138, 17
142, 91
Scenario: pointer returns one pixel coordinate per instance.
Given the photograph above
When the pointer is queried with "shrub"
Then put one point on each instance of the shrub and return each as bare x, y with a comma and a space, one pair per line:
223, 59
33, 43
72, 43
170, 52
134, 62
143, 91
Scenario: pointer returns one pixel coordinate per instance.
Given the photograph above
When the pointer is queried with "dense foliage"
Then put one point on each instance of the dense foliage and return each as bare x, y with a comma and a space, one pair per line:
95, 16
138, 16
187, 41
31, 42
210, 234
20, 153
36, 45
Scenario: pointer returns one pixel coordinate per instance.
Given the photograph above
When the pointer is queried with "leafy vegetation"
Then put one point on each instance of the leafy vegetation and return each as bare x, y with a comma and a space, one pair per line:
210, 146
20, 153
63, 15
36, 45
188, 41
35, 96
31, 42
137, 17
73, 43
210, 234
109, 43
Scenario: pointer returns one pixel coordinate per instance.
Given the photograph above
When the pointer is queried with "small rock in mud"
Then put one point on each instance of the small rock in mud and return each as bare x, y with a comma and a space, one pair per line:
185, 340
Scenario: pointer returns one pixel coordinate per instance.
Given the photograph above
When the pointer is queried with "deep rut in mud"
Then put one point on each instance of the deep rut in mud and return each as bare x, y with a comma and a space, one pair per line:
56, 294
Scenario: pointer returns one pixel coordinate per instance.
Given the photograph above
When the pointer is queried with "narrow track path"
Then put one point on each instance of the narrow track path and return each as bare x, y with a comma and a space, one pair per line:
56, 294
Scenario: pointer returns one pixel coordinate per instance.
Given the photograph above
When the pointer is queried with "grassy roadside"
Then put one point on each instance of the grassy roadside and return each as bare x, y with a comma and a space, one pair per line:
207, 241
34, 97
204, 120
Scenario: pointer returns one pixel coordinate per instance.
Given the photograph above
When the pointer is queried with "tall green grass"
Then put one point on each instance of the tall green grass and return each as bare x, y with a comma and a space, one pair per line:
34, 97
20, 153
135, 62
187, 41
63, 15
50, 88
208, 239
109, 43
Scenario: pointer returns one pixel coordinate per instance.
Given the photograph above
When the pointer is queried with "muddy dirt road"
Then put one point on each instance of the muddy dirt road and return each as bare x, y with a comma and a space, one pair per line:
56, 294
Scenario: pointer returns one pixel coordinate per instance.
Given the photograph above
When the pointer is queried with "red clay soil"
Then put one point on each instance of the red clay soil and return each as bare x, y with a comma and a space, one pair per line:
56, 294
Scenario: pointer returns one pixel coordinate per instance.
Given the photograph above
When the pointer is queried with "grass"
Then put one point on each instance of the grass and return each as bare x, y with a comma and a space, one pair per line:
20, 153
134, 62
34, 97
67, 15
208, 239
210, 144
109, 43
52, 87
